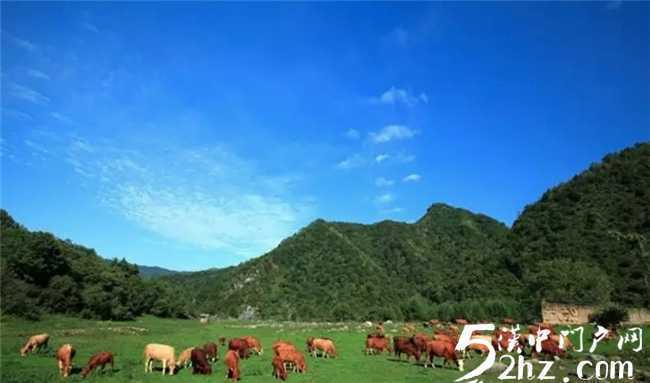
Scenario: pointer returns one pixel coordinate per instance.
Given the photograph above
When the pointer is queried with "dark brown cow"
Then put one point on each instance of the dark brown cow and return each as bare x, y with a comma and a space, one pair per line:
200, 363
98, 360
549, 347
211, 351
239, 345
377, 343
420, 340
232, 365
279, 370
406, 345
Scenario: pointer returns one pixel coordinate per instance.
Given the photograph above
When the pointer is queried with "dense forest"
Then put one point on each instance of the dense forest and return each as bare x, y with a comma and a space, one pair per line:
40, 273
585, 241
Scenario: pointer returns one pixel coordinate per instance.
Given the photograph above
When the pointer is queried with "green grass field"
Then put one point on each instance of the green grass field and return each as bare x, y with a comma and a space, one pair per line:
127, 340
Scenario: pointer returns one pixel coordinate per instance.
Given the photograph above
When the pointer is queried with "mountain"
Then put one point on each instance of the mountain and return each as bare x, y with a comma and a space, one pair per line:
154, 271
587, 240
40, 274
336, 270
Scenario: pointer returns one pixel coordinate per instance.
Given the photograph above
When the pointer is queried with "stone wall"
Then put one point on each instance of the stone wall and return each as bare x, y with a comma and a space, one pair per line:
558, 313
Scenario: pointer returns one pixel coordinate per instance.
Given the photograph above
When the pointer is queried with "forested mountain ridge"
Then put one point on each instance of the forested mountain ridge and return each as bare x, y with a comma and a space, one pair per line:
336, 270
587, 240
40, 273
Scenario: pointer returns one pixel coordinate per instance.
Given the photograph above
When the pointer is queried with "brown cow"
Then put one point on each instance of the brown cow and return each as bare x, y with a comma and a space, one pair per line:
222, 341
324, 345
279, 370
253, 344
200, 363
406, 345
461, 321
64, 356
239, 345
293, 357
211, 352
420, 340
282, 345
100, 359
377, 343
508, 321
548, 347
35, 343
444, 350
232, 365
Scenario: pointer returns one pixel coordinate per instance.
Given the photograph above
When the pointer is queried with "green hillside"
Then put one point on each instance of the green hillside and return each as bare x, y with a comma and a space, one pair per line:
43, 274
334, 270
586, 240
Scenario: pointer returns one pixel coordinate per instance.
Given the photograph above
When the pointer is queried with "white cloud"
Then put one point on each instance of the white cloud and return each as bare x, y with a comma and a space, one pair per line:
351, 162
353, 134
61, 117
90, 27
384, 199
412, 178
395, 96
392, 132
405, 158
25, 44
381, 158
208, 198
16, 114
393, 210
384, 182
38, 74
28, 94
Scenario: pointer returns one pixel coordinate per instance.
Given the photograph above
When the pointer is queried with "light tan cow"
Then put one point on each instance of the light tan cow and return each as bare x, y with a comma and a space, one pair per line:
35, 342
161, 352
185, 358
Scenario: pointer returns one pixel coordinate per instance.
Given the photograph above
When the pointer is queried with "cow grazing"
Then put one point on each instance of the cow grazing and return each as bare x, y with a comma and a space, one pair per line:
161, 352
420, 340
548, 347
253, 344
279, 369
185, 358
100, 360
402, 344
444, 350
64, 357
294, 358
377, 344
222, 340
324, 346
239, 345
35, 343
200, 363
211, 352
231, 359
282, 345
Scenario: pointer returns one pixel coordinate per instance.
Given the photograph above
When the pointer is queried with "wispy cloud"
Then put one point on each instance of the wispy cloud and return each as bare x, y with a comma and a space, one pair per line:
405, 158
384, 199
23, 43
384, 182
351, 162
381, 158
36, 148
90, 27
393, 210
392, 132
395, 96
16, 114
412, 178
28, 94
37, 74
353, 134
62, 118
206, 197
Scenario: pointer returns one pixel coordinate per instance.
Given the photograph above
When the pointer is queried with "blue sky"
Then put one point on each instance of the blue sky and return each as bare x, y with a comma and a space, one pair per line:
200, 135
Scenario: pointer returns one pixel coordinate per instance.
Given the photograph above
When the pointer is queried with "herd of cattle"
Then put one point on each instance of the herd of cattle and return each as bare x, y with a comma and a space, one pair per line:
440, 343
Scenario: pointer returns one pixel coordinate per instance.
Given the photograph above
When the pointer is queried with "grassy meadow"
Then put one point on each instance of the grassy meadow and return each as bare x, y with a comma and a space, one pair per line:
127, 340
